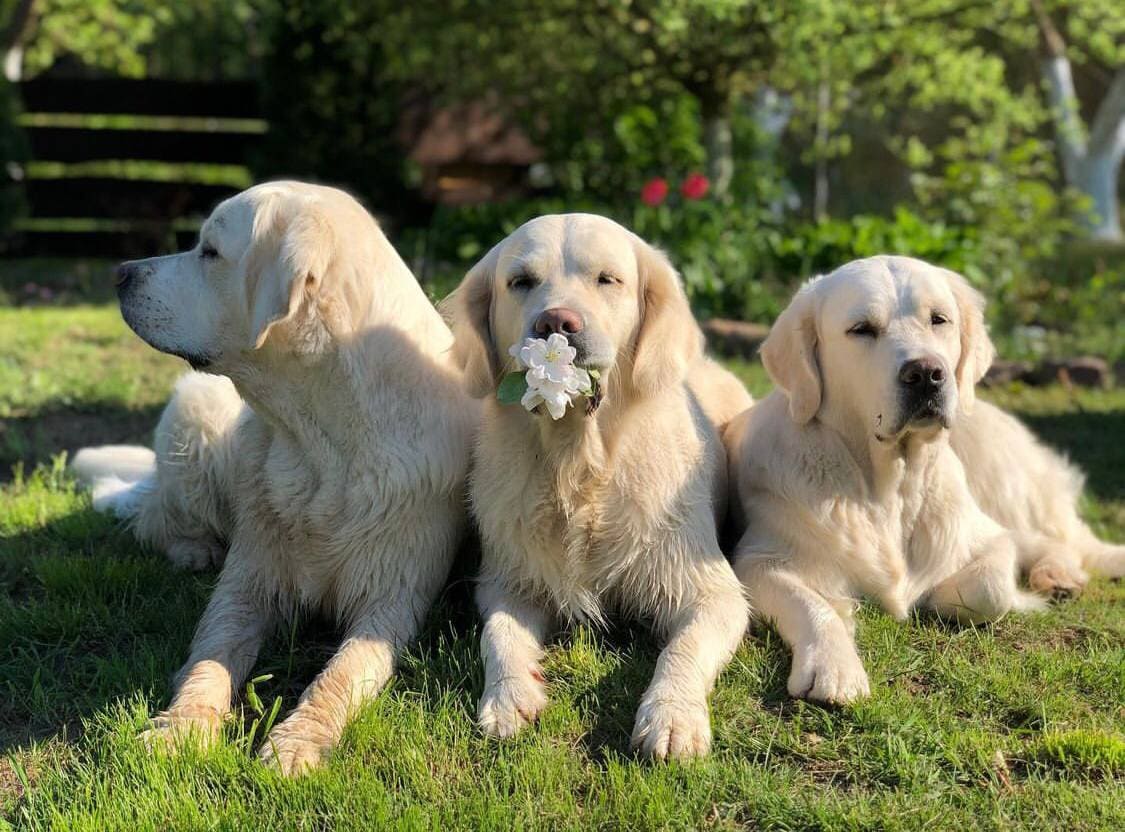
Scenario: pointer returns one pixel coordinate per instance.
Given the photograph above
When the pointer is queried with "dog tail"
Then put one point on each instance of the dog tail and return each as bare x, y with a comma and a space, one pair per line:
119, 477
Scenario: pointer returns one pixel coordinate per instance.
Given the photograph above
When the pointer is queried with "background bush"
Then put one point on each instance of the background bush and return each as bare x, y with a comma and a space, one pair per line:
13, 153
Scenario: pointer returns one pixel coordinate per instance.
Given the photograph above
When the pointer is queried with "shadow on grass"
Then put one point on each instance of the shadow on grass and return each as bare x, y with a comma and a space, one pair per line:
88, 619
1092, 440
33, 439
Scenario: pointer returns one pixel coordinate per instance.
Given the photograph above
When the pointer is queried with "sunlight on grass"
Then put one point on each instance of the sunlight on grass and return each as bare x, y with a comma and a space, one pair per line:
1020, 724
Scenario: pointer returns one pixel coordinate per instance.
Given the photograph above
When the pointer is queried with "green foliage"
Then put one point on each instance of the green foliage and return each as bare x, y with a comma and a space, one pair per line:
186, 39
13, 153
332, 114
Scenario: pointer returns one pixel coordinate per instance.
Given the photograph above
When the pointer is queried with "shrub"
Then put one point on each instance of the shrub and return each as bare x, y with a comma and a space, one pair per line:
332, 113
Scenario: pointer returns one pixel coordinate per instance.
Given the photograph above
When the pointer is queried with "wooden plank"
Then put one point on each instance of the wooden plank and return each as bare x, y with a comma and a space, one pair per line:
66, 144
225, 99
122, 245
122, 198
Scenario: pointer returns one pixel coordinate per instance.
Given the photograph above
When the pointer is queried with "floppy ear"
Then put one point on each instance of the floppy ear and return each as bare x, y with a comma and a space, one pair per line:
789, 356
470, 312
287, 261
669, 340
977, 350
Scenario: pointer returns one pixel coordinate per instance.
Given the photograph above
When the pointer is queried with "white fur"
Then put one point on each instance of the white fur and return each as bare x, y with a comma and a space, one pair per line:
614, 510
844, 494
327, 458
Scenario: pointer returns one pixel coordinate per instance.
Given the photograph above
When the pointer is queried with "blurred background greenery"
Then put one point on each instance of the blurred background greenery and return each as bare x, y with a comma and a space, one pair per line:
758, 142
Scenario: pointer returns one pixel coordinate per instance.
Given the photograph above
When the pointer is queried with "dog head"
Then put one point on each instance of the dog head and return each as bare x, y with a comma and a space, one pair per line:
278, 268
891, 343
617, 299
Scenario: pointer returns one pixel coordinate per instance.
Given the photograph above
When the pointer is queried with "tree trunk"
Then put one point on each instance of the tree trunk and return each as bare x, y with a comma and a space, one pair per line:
718, 143
1091, 162
1097, 179
11, 41
820, 186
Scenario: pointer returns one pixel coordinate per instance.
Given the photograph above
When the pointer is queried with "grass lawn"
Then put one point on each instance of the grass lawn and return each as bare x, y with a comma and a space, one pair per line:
1016, 725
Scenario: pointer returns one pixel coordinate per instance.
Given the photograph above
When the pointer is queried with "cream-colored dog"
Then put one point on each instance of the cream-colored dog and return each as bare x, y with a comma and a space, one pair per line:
846, 479
613, 506
329, 463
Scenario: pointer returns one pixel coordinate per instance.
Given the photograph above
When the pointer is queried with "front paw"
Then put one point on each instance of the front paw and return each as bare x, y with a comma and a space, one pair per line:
196, 554
675, 728
512, 702
171, 730
828, 673
294, 748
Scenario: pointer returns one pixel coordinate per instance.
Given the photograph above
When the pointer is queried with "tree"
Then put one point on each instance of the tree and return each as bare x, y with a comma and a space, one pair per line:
557, 58
186, 39
1091, 156
11, 40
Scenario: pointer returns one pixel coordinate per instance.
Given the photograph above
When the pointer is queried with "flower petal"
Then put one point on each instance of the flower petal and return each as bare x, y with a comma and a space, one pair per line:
531, 399
556, 408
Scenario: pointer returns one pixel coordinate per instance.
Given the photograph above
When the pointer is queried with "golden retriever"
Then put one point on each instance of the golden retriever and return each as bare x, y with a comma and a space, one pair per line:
613, 506
327, 455
848, 484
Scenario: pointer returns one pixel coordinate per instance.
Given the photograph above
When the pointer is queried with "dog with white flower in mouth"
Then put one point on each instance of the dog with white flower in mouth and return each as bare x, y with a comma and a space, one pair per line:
603, 491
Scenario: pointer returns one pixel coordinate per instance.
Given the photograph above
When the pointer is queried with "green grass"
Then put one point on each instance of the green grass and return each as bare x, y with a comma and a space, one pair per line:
1016, 725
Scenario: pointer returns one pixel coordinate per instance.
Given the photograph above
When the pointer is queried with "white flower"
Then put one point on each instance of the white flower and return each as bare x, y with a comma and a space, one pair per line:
551, 359
552, 378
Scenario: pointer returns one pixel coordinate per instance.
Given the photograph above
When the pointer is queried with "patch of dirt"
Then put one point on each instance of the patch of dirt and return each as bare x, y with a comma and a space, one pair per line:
11, 787
1081, 637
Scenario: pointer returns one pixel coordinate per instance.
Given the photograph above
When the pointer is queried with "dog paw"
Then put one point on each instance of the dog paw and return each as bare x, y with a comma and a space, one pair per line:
196, 554
511, 703
1057, 580
833, 674
672, 728
171, 730
293, 750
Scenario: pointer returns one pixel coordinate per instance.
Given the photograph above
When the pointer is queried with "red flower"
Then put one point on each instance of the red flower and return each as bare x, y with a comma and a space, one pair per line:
654, 191
695, 186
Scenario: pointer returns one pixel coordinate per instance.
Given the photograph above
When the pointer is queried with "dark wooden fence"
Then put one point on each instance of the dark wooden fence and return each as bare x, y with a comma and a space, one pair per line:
111, 216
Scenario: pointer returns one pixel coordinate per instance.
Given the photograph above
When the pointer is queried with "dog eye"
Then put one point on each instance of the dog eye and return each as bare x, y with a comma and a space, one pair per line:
864, 329
208, 252
521, 282
937, 319
606, 279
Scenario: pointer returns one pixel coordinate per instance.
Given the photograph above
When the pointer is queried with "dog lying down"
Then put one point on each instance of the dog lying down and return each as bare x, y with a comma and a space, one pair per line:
848, 483
329, 467
610, 502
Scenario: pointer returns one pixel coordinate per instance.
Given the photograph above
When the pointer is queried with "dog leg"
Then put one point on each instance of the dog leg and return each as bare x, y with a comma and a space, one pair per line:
224, 649
354, 676
826, 666
985, 589
673, 719
511, 644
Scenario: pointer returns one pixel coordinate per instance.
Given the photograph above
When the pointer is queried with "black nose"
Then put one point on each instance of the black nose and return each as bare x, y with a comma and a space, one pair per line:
123, 274
560, 320
921, 374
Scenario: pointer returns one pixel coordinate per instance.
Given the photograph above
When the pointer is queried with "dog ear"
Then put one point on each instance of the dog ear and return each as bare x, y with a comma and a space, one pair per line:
668, 340
977, 351
469, 310
288, 261
789, 356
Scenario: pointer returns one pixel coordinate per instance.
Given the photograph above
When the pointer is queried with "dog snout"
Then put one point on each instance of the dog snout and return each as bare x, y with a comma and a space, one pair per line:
558, 320
922, 374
